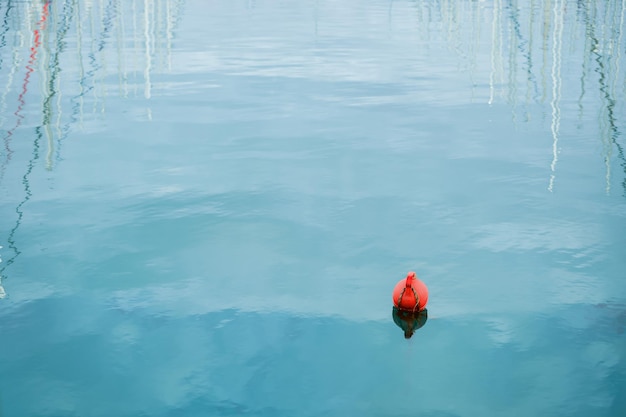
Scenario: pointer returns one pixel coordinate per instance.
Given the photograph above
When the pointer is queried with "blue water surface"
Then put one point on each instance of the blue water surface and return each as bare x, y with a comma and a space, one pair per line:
205, 206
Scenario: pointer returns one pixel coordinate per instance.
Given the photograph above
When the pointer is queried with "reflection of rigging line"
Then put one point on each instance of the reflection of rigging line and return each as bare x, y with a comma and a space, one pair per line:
582, 79
531, 31
147, 88
44, 65
609, 106
512, 85
107, 25
21, 98
121, 62
494, 25
84, 89
619, 43
3, 35
544, 33
56, 69
617, 56
27, 195
475, 40
556, 88
526, 53
168, 31
15, 64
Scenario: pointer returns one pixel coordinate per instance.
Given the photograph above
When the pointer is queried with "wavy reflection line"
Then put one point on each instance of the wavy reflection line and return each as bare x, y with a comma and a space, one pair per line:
77, 107
545, 36
76, 101
557, 44
523, 45
53, 84
474, 44
531, 31
585, 70
27, 192
107, 24
512, 81
5, 25
608, 103
121, 61
618, 50
169, 32
27, 195
96, 58
21, 98
147, 42
619, 43
44, 69
16, 61
494, 45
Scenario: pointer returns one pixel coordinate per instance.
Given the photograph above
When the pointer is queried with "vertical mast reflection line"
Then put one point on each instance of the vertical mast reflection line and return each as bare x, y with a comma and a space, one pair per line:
47, 87
609, 138
18, 42
545, 35
93, 60
500, 50
168, 29
92, 55
135, 48
585, 70
156, 30
607, 45
81, 66
147, 87
556, 88
21, 98
618, 52
531, 74
494, 25
54, 83
57, 69
100, 75
121, 63
473, 44
25, 178
3, 35
619, 44
512, 87
108, 17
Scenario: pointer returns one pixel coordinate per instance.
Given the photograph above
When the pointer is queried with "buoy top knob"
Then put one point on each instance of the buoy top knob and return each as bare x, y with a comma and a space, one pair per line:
409, 279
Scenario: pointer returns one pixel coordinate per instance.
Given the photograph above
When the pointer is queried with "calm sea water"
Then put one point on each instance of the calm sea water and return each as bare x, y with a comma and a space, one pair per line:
205, 206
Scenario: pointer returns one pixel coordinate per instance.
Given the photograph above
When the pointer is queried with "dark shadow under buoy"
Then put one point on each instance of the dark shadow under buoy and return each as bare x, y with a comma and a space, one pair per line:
409, 321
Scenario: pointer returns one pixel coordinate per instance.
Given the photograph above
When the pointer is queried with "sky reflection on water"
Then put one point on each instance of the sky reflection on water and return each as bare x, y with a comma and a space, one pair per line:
205, 207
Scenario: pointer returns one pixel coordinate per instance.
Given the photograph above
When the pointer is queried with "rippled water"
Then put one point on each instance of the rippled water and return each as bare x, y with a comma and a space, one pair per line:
205, 206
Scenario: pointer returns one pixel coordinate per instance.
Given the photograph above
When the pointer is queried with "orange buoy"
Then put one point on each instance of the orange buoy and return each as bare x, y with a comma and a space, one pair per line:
410, 294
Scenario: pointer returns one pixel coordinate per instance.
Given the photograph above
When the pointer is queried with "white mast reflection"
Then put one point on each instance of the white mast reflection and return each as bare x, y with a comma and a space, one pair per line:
148, 63
46, 87
494, 27
16, 62
556, 88
121, 62
168, 34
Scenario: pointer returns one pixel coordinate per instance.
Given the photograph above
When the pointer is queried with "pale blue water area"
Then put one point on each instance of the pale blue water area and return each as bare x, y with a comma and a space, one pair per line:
205, 206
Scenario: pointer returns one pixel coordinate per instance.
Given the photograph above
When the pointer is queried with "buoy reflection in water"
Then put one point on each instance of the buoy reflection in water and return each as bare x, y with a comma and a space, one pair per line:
409, 321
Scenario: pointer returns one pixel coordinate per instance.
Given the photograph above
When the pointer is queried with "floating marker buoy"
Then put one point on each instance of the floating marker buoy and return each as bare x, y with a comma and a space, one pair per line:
410, 294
